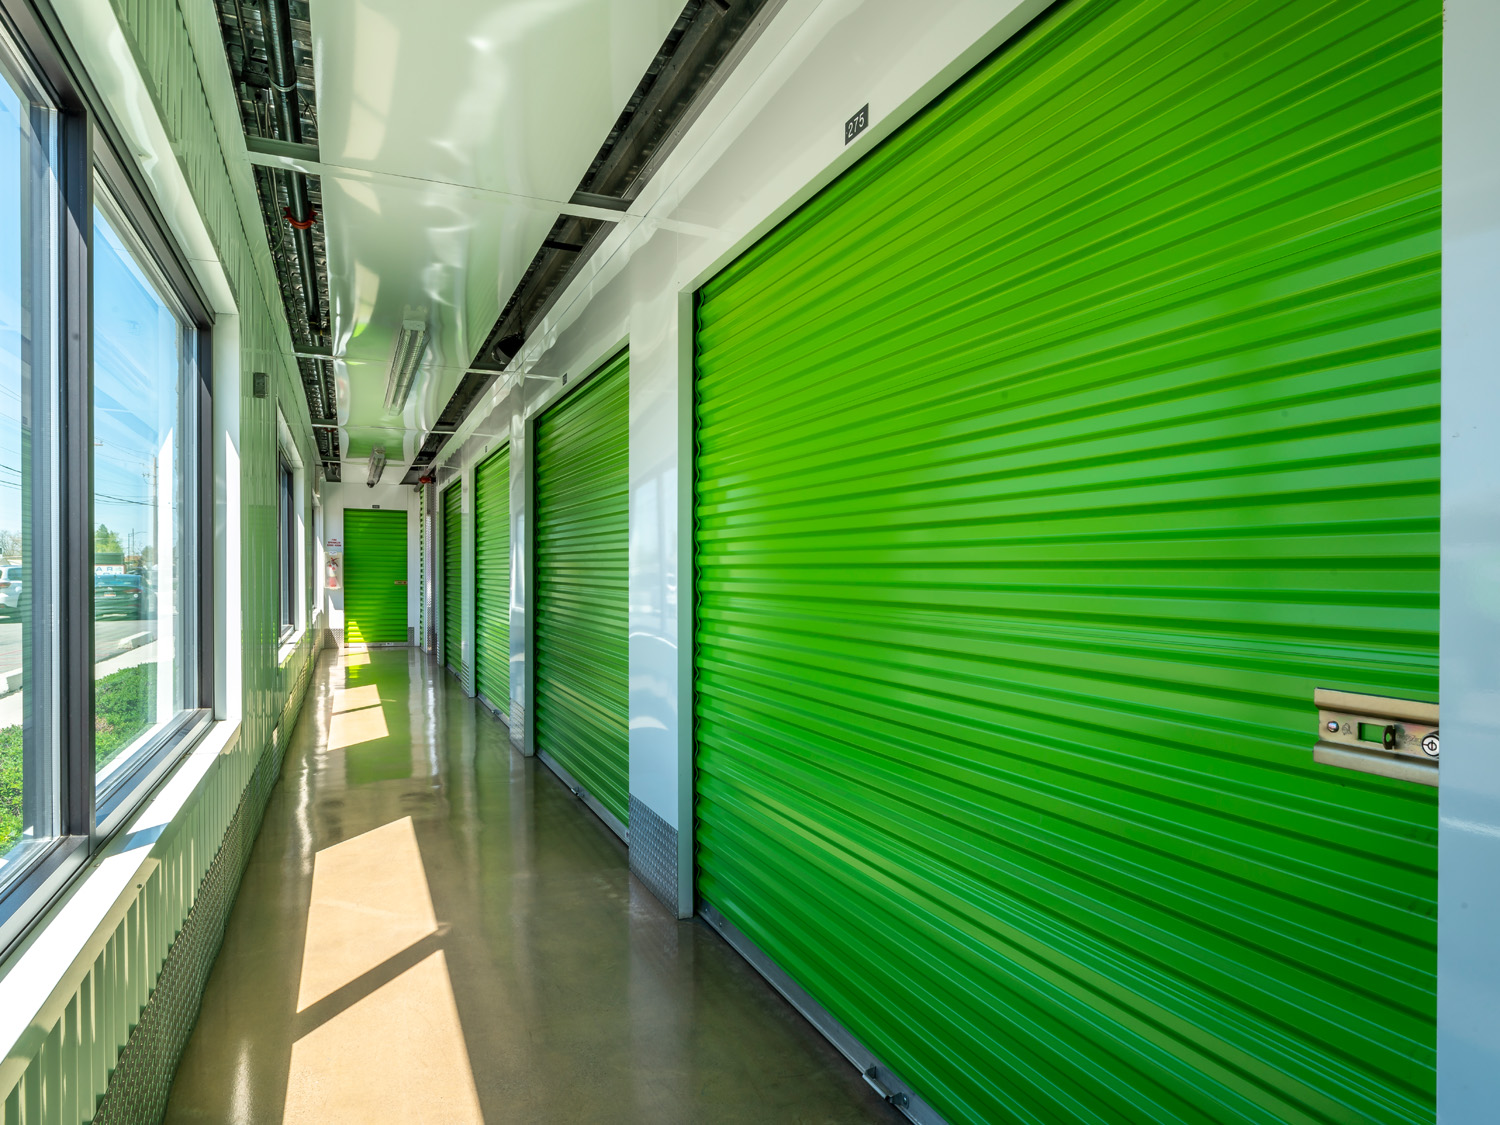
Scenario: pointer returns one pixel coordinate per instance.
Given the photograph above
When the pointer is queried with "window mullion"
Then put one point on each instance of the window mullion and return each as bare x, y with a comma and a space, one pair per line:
75, 599
201, 475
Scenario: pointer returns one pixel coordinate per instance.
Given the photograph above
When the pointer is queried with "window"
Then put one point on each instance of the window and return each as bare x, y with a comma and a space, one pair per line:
317, 560
104, 491
31, 813
145, 667
288, 547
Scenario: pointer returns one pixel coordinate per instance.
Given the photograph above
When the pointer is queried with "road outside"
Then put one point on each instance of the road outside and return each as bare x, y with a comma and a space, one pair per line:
107, 634
109, 656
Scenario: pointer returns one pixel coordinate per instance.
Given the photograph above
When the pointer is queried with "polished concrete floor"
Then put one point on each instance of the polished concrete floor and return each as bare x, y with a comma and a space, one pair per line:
432, 928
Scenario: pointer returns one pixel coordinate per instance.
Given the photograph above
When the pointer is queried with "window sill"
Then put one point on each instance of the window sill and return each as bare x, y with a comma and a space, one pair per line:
47, 967
119, 783
289, 646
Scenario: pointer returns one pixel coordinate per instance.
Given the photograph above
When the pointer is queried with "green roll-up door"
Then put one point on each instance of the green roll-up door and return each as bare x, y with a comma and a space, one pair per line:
453, 579
374, 577
492, 579
582, 546
422, 562
1048, 460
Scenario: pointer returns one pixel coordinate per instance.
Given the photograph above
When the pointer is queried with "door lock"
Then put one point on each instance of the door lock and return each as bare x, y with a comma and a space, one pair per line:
1377, 734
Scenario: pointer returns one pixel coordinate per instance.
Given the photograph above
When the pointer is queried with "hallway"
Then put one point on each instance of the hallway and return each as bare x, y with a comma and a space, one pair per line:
432, 928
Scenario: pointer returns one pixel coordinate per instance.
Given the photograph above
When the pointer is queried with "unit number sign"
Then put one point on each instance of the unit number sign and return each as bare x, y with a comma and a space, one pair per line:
856, 124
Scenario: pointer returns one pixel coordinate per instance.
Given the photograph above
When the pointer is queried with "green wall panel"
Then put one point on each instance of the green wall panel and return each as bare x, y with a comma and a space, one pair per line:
375, 576
492, 579
1047, 461
62, 1067
453, 579
582, 596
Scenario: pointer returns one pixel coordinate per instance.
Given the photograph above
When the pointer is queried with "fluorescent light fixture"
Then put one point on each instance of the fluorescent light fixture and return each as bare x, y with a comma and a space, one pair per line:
377, 465
411, 342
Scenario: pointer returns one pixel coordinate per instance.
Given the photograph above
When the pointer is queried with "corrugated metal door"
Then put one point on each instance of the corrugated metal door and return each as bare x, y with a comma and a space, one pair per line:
492, 579
422, 562
374, 577
453, 580
582, 548
1047, 461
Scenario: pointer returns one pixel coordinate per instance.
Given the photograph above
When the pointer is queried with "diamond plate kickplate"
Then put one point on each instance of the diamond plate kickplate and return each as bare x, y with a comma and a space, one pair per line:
653, 852
517, 725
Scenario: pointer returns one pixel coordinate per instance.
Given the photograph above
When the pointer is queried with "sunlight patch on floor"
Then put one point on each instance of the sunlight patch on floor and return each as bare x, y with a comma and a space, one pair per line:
389, 1046
396, 1055
369, 902
352, 699
350, 728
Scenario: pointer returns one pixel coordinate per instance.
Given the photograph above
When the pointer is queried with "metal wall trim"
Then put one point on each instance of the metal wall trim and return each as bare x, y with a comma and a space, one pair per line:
886, 1082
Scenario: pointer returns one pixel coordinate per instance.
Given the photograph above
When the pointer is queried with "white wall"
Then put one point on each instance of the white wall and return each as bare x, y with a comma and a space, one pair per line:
1469, 827
337, 498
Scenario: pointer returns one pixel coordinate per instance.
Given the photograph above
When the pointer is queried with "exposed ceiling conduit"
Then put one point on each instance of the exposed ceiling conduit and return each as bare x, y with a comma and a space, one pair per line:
287, 122
266, 43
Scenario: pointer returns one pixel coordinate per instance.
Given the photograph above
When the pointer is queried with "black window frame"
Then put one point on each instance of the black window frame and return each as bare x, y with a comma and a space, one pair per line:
89, 144
286, 493
115, 802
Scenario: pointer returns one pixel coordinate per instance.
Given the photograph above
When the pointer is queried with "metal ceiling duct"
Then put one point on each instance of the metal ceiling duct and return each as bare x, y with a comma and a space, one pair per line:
411, 343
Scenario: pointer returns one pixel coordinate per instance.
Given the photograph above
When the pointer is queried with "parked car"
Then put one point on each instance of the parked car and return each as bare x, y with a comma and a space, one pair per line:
12, 586
122, 595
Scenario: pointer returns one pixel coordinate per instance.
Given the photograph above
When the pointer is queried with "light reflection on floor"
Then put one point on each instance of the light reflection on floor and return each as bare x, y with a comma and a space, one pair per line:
382, 1039
369, 902
357, 717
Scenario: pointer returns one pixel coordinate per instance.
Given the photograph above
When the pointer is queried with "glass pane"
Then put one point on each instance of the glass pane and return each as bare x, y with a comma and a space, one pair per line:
141, 582
288, 581
30, 800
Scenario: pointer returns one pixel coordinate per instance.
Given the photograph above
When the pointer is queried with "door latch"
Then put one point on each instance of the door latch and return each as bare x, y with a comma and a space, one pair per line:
1377, 734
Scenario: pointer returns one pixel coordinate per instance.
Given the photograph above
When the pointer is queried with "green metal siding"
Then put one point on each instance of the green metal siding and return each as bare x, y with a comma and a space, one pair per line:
492, 579
1046, 462
60, 1069
374, 576
582, 549
453, 579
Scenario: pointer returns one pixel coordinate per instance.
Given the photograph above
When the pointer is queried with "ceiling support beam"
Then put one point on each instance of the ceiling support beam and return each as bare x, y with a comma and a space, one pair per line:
581, 206
598, 202
286, 150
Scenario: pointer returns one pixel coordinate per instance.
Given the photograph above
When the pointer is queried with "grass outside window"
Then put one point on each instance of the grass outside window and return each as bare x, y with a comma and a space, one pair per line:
123, 709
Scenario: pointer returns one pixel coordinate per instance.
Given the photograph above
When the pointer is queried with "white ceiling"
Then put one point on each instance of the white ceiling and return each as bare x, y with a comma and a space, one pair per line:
451, 135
